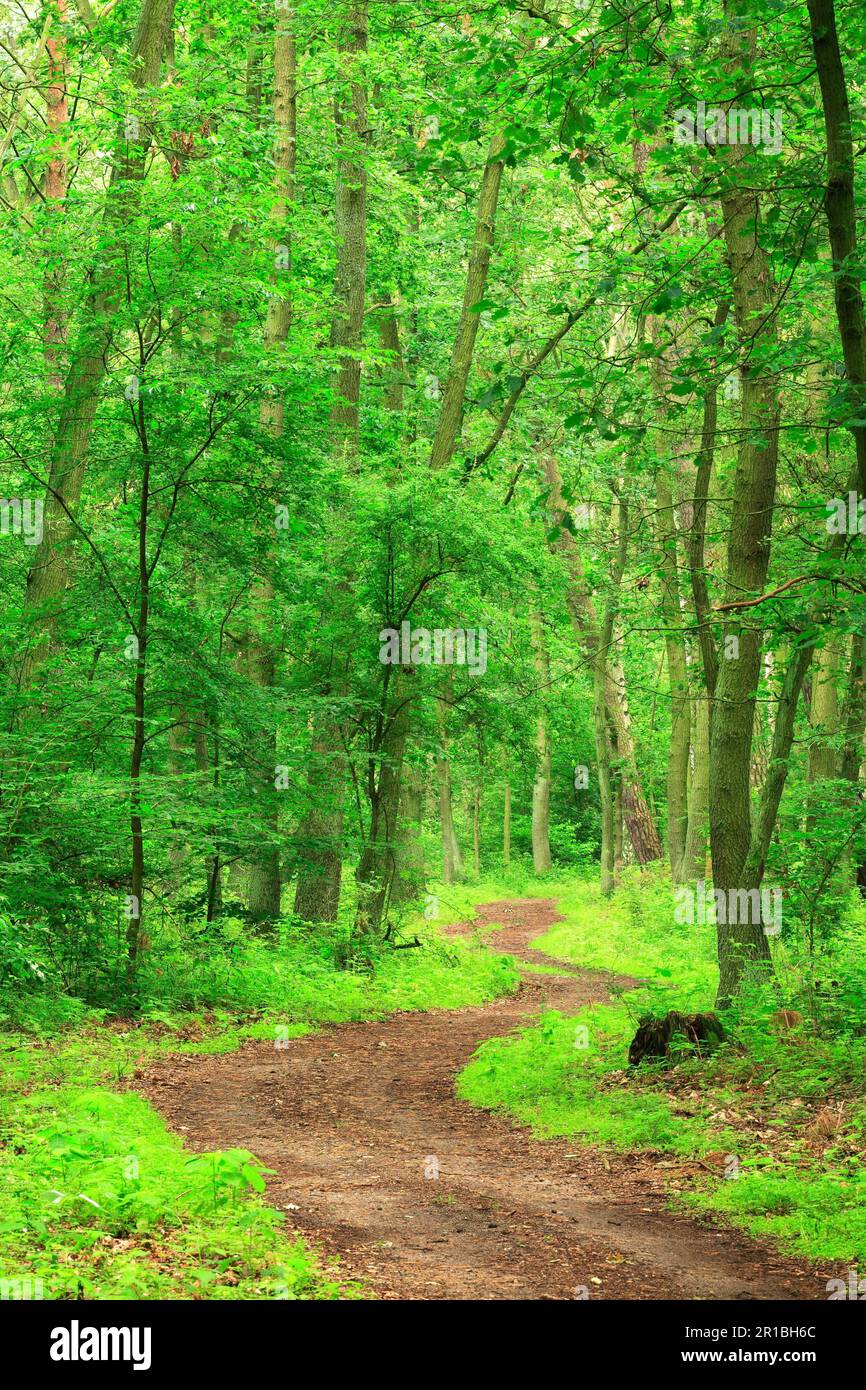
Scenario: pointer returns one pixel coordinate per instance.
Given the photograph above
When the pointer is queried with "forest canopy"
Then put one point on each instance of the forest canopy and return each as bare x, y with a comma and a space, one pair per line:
409, 416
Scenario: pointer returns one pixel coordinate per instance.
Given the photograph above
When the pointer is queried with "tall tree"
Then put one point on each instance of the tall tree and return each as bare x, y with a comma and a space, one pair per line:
317, 894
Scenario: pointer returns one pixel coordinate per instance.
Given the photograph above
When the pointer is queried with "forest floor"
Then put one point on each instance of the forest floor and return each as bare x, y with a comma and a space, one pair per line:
355, 1120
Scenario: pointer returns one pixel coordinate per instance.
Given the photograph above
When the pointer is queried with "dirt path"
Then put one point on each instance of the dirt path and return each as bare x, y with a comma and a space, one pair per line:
348, 1118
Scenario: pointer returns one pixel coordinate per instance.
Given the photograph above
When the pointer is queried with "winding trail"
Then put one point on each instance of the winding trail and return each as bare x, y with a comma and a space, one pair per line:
348, 1117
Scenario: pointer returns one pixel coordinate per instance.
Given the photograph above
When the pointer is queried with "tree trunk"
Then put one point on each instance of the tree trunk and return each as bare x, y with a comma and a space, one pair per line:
541, 785
55, 189
748, 559
854, 716
135, 939
350, 221
476, 806
263, 883
698, 529
264, 869
451, 856
678, 677
641, 828
841, 212
841, 216
409, 877
618, 859
208, 776
672, 614
824, 712
177, 736
752, 301
47, 577
451, 411
607, 799
378, 862
319, 838
694, 861
317, 896
636, 809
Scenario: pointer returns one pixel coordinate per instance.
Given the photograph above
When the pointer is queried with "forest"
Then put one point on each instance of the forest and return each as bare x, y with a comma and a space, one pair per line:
432, 650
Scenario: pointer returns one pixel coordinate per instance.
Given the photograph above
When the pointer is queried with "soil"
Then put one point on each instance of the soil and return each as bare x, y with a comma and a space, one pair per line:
352, 1118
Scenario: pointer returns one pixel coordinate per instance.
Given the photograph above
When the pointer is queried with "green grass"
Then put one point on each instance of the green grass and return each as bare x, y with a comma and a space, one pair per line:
301, 981
819, 1215
560, 1078
100, 1200
634, 933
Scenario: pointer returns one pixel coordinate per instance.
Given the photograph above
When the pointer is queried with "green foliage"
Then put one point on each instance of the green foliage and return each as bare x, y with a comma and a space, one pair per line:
296, 976
101, 1201
635, 933
549, 1079
816, 1214
302, 981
